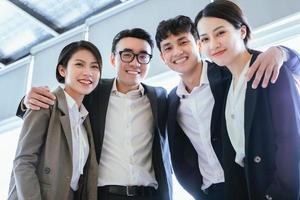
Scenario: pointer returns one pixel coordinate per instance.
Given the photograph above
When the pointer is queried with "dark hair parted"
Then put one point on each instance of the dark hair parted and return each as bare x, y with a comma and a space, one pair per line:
175, 26
228, 11
68, 51
135, 33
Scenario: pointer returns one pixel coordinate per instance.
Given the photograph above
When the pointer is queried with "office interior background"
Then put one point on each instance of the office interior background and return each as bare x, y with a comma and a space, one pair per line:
32, 33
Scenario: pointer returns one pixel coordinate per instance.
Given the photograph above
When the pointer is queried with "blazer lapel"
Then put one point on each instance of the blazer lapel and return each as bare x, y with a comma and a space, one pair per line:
64, 118
88, 129
173, 101
98, 110
250, 104
217, 83
150, 92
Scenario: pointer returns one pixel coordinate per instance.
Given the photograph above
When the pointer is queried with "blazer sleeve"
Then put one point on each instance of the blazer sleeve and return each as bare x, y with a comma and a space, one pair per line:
293, 61
21, 109
32, 137
284, 103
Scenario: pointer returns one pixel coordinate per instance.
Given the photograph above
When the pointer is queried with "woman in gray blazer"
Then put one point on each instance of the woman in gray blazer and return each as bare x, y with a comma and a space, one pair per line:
55, 157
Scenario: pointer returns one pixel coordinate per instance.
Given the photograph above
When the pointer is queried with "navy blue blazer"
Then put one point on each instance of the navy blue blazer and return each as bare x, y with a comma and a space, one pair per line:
272, 139
183, 155
97, 103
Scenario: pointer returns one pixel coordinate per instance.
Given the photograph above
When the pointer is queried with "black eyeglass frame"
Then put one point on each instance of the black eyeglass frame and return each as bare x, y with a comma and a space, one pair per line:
135, 55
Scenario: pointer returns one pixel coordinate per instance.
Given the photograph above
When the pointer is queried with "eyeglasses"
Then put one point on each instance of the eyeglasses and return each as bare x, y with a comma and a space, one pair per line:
128, 56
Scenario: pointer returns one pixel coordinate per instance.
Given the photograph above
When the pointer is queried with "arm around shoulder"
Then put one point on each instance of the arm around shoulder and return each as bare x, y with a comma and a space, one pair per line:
292, 61
21, 109
285, 108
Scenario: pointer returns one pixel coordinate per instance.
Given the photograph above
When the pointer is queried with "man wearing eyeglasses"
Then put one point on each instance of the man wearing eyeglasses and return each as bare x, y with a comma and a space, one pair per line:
128, 120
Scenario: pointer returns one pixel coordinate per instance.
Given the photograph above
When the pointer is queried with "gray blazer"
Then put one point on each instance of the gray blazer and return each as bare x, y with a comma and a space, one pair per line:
42, 168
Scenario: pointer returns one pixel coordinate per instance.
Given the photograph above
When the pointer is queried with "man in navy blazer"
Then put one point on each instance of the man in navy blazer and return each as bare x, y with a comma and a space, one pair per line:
128, 120
194, 107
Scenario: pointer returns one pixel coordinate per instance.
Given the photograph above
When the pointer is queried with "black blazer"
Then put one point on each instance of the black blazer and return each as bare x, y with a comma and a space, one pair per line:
272, 143
183, 155
97, 103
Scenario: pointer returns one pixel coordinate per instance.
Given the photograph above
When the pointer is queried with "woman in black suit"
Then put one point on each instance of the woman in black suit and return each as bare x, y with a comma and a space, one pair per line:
261, 127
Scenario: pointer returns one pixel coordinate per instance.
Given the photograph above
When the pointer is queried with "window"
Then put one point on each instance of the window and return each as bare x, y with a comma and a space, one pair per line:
8, 144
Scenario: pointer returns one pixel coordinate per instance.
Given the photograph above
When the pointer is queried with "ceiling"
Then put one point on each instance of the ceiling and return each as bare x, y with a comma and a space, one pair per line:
25, 23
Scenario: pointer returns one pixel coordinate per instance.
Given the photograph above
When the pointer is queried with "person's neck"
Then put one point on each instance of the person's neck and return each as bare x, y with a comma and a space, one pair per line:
123, 88
78, 98
237, 66
192, 79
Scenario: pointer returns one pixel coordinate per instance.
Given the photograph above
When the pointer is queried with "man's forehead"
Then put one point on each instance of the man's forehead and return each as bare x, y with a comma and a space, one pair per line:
134, 44
175, 37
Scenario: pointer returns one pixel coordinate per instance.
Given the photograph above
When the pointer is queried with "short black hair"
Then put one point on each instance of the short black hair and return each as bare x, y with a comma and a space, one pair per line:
175, 26
68, 51
135, 33
228, 11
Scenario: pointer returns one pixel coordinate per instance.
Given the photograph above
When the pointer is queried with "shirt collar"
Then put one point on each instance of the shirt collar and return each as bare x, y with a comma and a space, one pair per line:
134, 93
72, 107
181, 90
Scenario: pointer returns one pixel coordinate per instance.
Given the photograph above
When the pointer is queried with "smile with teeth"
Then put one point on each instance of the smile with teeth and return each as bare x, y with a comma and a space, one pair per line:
84, 81
180, 60
133, 72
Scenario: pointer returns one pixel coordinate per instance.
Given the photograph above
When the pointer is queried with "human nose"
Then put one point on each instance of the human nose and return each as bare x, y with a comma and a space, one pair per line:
178, 50
135, 61
214, 43
88, 71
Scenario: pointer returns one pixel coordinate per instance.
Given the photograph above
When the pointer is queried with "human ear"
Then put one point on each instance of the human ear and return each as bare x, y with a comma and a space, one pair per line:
112, 59
62, 70
162, 57
243, 32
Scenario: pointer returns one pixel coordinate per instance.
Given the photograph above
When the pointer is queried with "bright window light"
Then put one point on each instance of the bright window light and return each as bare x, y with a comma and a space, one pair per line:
168, 80
8, 145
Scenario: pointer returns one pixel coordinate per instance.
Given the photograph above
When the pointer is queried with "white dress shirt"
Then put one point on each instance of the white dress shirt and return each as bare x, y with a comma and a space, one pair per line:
235, 114
126, 157
194, 117
80, 143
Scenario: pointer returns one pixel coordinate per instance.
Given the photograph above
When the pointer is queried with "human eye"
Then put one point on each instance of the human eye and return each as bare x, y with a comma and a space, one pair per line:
127, 54
221, 33
167, 48
79, 64
95, 66
183, 42
143, 56
204, 39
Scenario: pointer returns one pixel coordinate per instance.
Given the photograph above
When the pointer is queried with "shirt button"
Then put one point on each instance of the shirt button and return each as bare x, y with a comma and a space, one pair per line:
257, 159
268, 197
232, 116
47, 170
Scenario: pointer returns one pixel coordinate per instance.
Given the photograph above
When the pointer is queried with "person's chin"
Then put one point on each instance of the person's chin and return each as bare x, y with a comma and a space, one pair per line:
218, 62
